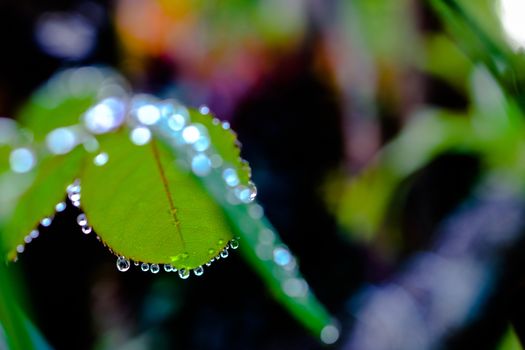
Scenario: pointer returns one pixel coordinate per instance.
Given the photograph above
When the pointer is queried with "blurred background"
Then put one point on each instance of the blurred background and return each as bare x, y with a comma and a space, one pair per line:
386, 139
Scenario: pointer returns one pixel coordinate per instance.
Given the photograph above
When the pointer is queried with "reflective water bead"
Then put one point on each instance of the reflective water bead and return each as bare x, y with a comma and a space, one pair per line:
282, 256
101, 159
144, 267
20, 248
230, 177
122, 264
201, 164
82, 220
234, 244
209, 263
148, 114
202, 144
225, 125
198, 271
154, 268
136, 263
61, 140
216, 160
191, 134
105, 116
329, 334
22, 160
34, 234
224, 253
60, 207
28, 239
184, 273
46, 221
244, 194
204, 109
176, 122
76, 203
256, 211
215, 121
253, 191
140, 136
168, 267
87, 230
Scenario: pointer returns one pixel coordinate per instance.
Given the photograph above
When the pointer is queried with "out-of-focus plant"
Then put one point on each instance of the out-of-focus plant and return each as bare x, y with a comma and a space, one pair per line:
160, 184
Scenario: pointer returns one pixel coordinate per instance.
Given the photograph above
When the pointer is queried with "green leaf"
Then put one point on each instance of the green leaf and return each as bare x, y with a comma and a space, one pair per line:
51, 177
510, 341
147, 208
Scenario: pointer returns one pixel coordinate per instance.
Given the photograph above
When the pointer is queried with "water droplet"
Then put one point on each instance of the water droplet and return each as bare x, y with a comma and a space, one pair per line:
46, 222
234, 244
266, 236
20, 248
136, 263
201, 165
184, 273
34, 234
253, 191
230, 177
28, 239
82, 220
225, 125
122, 264
224, 253
140, 135
168, 267
22, 160
295, 287
216, 160
282, 256
60, 207
106, 115
76, 203
144, 267
61, 140
243, 194
101, 159
329, 334
204, 109
154, 268
202, 144
87, 229
256, 211
148, 114
198, 271
209, 263
191, 134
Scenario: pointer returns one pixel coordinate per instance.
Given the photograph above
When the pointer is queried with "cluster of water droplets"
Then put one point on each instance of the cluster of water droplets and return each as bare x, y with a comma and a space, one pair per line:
124, 264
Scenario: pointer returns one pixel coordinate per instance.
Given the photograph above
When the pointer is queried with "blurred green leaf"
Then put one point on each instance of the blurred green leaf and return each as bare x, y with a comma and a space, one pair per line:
510, 341
51, 177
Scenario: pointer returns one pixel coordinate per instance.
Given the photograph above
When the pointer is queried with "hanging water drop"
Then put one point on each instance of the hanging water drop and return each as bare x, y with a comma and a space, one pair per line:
136, 263
168, 267
122, 264
82, 220
46, 222
224, 253
60, 207
154, 268
234, 244
184, 273
198, 271
28, 239
144, 267
34, 234
87, 229
209, 263
20, 248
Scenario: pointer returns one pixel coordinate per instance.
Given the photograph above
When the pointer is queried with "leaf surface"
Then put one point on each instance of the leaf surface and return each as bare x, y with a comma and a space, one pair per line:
147, 208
